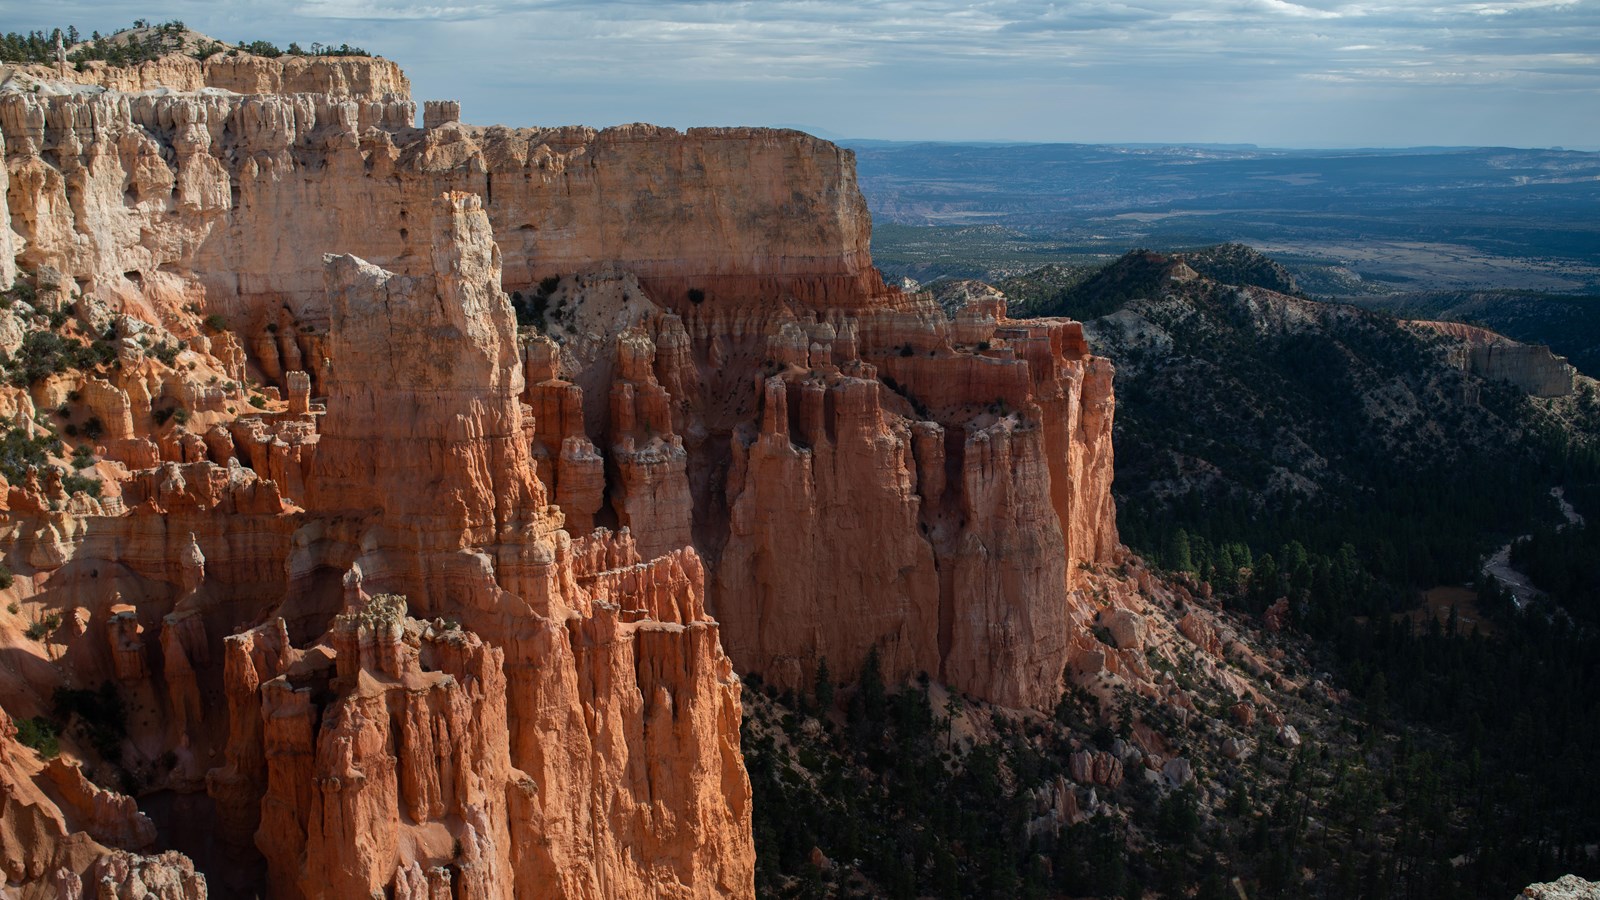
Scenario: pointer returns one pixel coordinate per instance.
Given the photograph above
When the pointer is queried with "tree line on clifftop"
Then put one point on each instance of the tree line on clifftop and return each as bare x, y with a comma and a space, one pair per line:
153, 42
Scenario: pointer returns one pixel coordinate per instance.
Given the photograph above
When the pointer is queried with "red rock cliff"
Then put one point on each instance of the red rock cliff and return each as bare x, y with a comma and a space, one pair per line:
709, 372
564, 724
731, 256
261, 186
580, 742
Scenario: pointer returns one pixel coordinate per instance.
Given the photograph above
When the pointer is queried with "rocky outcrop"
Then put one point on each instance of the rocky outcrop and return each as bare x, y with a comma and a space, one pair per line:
575, 735
241, 73
825, 557
119, 874
955, 295
568, 462
651, 490
253, 658
938, 520
617, 771
1567, 887
443, 409
714, 425
413, 778
1096, 767
975, 451
55, 825
110, 818
418, 730
1532, 368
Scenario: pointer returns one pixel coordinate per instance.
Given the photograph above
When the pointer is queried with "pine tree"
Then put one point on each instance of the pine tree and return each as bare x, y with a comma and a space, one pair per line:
823, 687
1179, 558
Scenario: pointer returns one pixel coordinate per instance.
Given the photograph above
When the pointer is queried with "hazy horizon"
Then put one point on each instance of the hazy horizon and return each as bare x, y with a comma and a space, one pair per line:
1199, 145
1273, 73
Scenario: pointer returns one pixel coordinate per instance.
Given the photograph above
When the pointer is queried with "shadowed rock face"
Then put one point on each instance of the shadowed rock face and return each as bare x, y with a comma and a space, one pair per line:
1533, 369
432, 619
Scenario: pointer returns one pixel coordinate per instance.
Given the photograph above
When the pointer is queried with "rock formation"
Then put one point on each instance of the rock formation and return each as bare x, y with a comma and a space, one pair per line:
1567, 887
1532, 368
54, 820
239, 73
518, 762
1011, 420
263, 184
414, 578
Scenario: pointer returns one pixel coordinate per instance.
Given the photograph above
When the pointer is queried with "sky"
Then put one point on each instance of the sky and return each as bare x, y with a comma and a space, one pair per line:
1278, 73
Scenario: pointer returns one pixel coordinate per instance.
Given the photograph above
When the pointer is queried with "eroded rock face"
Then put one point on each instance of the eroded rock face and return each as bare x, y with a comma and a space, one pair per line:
242, 74
1532, 368
425, 386
119, 874
571, 730
718, 410
53, 818
975, 452
414, 768
248, 191
582, 738
948, 496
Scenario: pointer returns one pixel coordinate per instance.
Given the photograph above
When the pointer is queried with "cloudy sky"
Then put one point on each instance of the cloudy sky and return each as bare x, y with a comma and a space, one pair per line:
1317, 73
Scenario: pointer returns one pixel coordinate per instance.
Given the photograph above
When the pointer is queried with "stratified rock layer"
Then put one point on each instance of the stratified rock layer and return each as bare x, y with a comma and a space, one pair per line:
240, 73
727, 407
243, 194
941, 481
1532, 368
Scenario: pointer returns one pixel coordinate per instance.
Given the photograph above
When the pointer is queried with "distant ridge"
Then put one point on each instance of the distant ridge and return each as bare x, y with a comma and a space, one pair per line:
1191, 145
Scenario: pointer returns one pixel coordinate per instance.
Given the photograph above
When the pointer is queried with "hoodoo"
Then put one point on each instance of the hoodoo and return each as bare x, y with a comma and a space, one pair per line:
446, 476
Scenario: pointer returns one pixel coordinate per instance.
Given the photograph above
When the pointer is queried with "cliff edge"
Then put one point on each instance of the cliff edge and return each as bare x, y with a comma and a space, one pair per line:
429, 471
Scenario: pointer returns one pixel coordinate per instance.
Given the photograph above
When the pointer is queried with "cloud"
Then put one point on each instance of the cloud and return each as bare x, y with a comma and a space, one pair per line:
1294, 9
377, 12
1075, 69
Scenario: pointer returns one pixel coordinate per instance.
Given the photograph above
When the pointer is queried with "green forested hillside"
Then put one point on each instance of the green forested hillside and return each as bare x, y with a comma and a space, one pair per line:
1334, 454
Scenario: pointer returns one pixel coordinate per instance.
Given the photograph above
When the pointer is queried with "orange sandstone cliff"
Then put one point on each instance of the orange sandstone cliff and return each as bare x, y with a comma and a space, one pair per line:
439, 590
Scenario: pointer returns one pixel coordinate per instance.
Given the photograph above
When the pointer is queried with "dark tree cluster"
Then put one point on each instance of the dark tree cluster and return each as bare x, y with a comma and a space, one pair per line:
148, 42
1491, 718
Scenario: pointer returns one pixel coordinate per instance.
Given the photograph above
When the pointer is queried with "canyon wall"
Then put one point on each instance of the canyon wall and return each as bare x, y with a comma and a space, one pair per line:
563, 724
239, 195
748, 254
461, 565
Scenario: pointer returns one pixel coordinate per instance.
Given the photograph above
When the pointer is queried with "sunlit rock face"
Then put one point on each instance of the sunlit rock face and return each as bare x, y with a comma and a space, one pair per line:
423, 600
